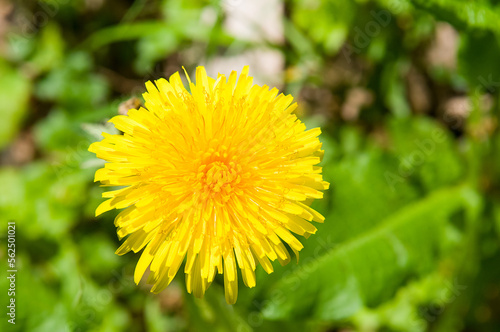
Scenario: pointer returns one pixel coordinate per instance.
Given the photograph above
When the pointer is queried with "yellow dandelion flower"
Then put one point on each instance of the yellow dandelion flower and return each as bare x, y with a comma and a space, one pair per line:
217, 177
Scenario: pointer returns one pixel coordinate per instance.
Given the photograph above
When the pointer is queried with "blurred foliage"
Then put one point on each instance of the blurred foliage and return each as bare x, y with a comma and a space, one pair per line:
406, 93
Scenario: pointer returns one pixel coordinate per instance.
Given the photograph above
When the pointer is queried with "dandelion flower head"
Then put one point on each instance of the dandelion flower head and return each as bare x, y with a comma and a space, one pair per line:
218, 177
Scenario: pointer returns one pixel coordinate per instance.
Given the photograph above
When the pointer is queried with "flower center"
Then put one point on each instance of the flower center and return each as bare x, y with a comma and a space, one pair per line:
219, 179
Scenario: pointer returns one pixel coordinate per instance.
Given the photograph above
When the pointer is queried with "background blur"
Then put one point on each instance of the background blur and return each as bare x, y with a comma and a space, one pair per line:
407, 95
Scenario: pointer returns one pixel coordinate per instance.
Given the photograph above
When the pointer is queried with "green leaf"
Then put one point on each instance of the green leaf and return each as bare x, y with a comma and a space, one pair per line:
153, 48
213, 311
425, 151
478, 60
463, 14
74, 85
156, 320
394, 89
50, 49
359, 177
326, 22
123, 32
15, 92
369, 268
12, 182
408, 310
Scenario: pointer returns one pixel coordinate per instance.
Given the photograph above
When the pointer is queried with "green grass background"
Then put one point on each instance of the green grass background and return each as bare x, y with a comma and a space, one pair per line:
411, 139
